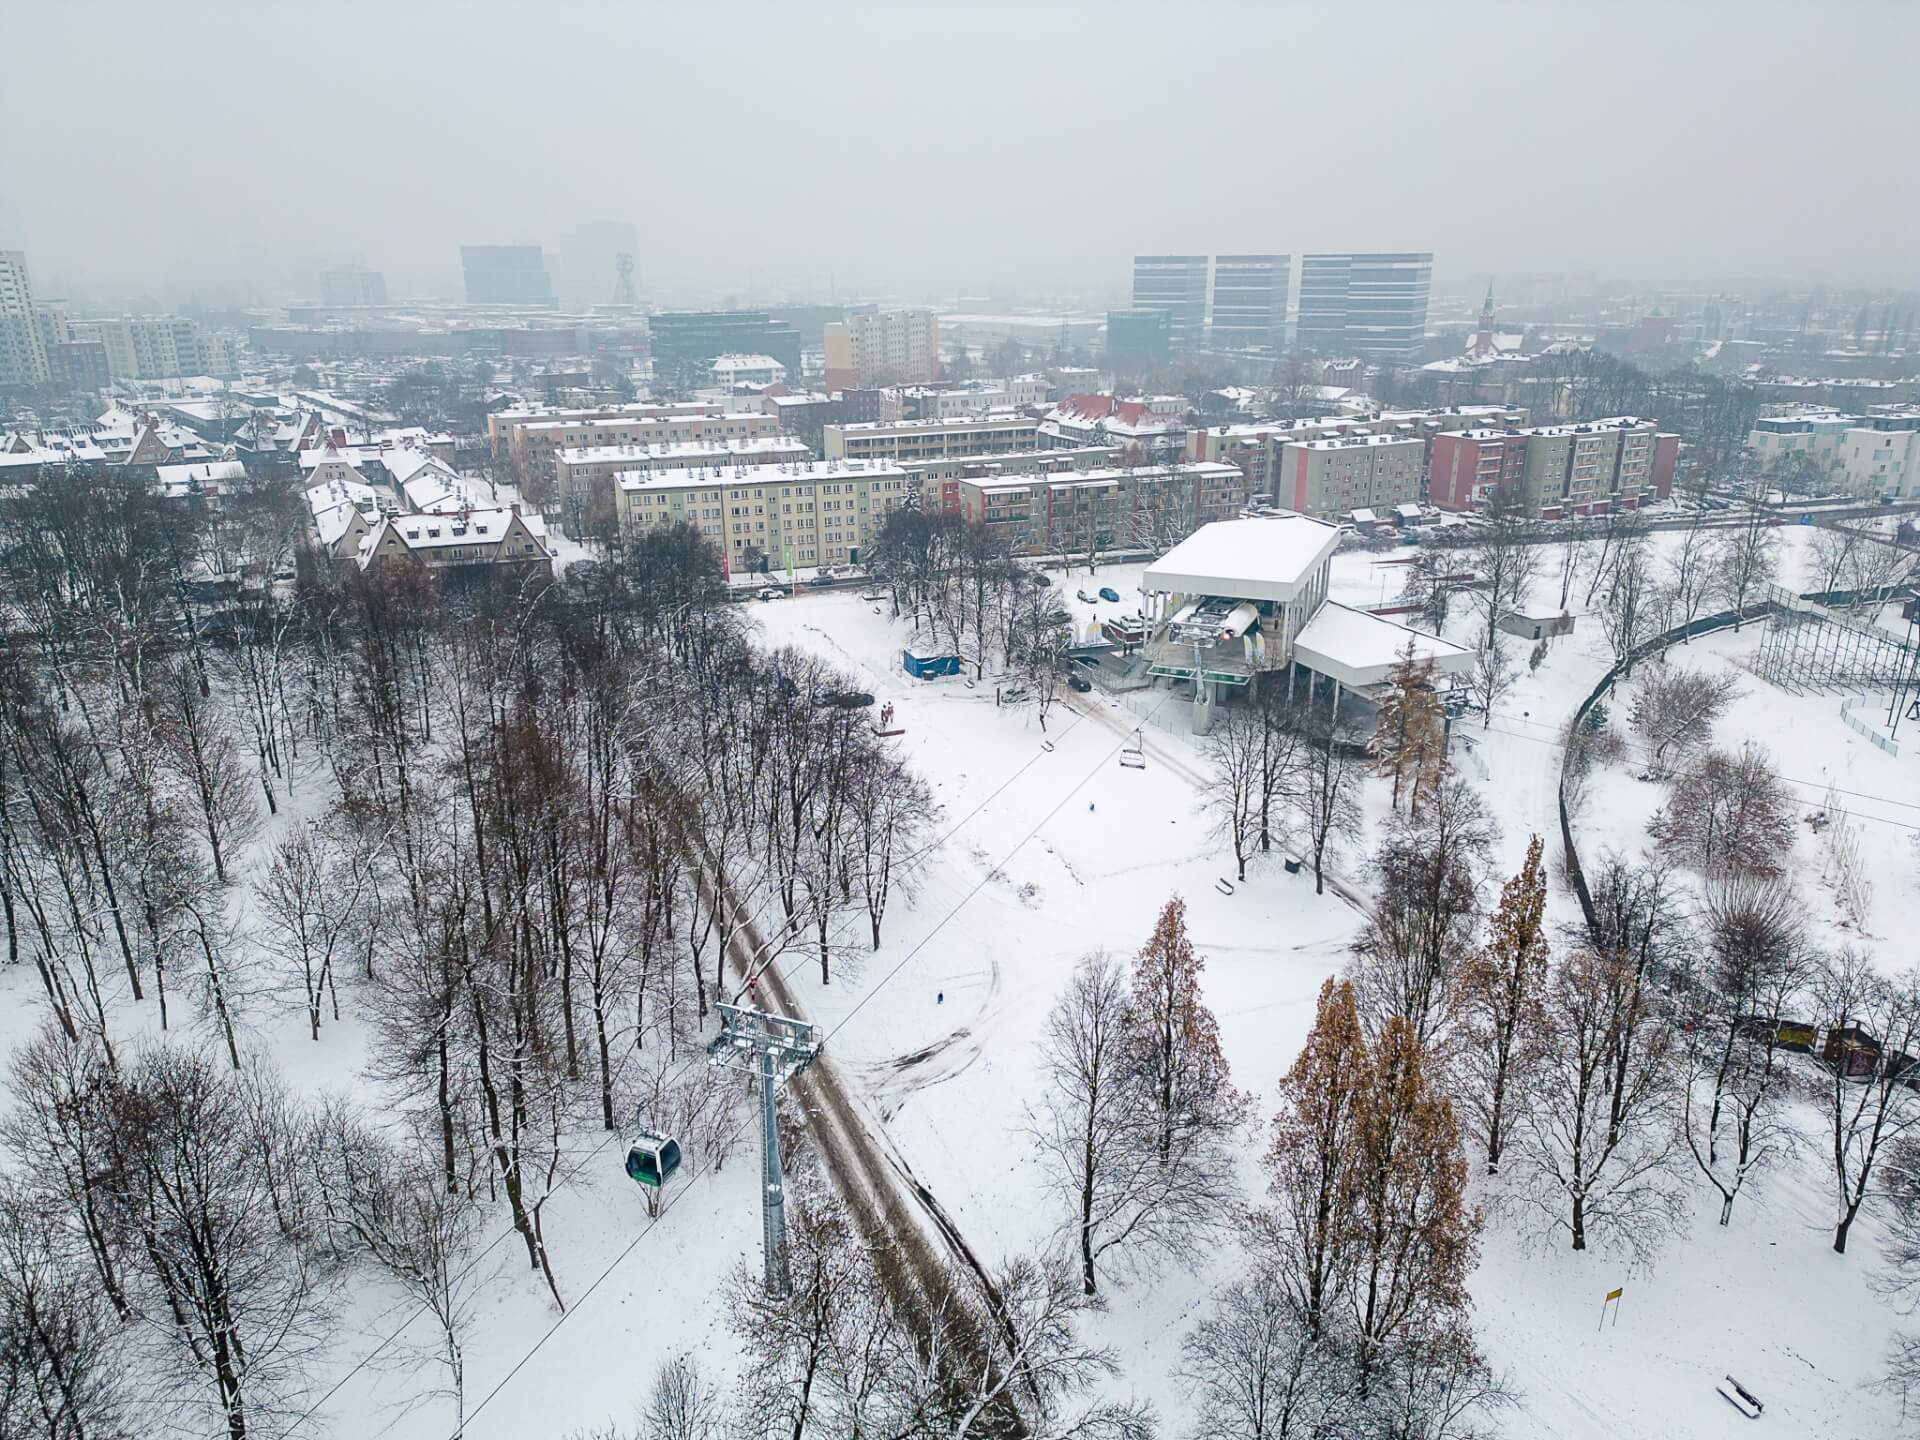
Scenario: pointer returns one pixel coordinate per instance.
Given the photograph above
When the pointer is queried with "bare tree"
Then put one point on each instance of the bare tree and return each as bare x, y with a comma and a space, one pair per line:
1674, 711
1734, 1066
1747, 560
1255, 1371
1327, 800
1597, 1129
1419, 934
1634, 607
1090, 1140
1504, 563
1232, 794
1727, 813
1690, 572
1873, 1031
1493, 671
682, 1404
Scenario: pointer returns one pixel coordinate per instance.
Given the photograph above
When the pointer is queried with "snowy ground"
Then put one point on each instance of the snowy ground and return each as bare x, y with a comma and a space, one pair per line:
1054, 854
1049, 854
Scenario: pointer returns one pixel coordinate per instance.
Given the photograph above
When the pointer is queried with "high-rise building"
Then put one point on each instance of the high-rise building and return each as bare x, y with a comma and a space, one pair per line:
883, 347
23, 352
1371, 305
506, 275
1250, 301
352, 285
688, 341
1138, 337
1176, 284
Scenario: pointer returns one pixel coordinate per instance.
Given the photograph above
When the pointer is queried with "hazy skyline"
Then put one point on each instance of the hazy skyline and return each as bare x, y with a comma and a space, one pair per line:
926, 151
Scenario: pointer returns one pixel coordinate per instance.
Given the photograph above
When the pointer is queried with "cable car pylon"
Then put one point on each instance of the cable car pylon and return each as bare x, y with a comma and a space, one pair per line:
775, 1048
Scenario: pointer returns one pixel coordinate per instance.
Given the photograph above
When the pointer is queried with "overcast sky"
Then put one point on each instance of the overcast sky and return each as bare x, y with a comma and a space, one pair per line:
927, 150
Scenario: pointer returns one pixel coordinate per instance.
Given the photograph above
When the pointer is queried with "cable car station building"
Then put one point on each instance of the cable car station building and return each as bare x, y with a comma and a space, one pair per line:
1241, 603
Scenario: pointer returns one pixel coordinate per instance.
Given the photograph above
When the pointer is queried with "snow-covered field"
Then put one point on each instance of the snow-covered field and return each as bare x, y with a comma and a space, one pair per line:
1050, 850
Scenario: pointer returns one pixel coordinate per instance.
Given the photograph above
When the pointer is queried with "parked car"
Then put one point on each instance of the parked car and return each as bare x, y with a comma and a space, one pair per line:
1109, 594
772, 592
1077, 681
1059, 617
820, 581
1084, 598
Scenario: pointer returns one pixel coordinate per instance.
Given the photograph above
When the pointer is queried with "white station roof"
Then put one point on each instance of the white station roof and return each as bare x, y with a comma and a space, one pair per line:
1267, 557
1358, 649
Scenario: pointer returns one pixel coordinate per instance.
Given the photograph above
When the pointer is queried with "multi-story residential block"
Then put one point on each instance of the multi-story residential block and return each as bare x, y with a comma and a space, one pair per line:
1328, 478
534, 442
1084, 511
1255, 448
685, 342
931, 439
883, 347
1371, 305
160, 347
1880, 455
1250, 301
1176, 284
505, 427
1154, 424
506, 275
938, 481
821, 513
1554, 471
583, 478
1811, 434
23, 351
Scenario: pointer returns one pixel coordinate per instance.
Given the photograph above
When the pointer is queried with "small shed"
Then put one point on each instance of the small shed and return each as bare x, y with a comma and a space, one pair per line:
925, 664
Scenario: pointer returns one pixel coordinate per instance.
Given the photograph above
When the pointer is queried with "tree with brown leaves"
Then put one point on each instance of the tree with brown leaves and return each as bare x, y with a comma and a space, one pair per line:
1409, 742
1500, 996
1177, 1040
1313, 1156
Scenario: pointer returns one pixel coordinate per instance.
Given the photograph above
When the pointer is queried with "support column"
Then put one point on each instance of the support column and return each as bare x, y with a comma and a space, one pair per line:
773, 1211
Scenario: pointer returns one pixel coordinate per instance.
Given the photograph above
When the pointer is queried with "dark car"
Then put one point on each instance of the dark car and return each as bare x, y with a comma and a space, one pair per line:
820, 581
1077, 681
1109, 594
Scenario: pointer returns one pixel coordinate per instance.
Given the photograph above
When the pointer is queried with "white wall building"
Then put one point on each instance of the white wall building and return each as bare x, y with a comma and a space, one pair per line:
23, 352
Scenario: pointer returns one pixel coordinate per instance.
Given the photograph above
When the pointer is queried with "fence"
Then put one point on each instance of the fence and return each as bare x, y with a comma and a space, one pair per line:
1891, 746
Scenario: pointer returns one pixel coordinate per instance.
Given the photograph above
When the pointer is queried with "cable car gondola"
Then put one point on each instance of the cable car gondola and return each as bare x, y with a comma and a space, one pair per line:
652, 1158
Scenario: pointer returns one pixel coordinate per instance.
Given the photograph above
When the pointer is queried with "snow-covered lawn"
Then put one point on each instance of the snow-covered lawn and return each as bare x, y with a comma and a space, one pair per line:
1055, 853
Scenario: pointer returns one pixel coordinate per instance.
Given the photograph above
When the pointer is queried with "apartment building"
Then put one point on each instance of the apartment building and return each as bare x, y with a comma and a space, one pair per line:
583, 477
938, 481
820, 513
538, 443
1875, 454
1176, 284
160, 347
504, 426
883, 347
23, 351
441, 544
506, 275
1328, 478
1151, 423
1465, 467
931, 439
1256, 448
1080, 511
1373, 305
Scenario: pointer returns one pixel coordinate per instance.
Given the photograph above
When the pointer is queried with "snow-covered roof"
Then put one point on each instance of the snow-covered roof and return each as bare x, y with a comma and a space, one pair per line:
691, 452
1266, 557
1358, 649
174, 478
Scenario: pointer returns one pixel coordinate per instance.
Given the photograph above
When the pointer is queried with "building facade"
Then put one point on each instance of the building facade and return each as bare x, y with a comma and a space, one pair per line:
1876, 454
1330, 478
821, 513
931, 439
884, 347
1139, 338
1552, 472
23, 351
583, 478
1370, 305
346, 286
688, 341
1250, 301
938, 481
1176, 284
160, 347
506, 275
1080, 512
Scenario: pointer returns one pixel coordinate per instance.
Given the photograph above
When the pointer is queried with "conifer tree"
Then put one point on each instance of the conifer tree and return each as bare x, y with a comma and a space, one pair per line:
1178, 1040
1500, 997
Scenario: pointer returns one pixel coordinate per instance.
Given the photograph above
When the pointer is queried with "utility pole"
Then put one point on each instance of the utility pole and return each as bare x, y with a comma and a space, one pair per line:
774, 1048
